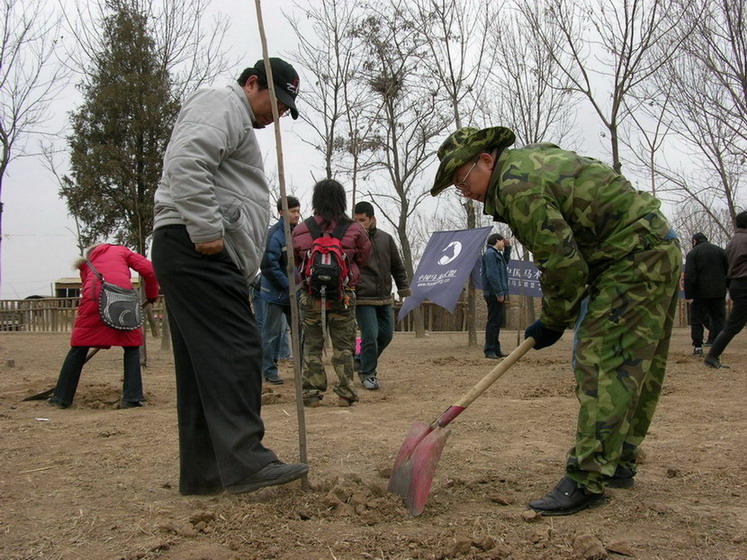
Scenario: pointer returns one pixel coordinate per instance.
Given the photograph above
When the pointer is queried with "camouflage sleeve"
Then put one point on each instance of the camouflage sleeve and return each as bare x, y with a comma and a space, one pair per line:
540, 226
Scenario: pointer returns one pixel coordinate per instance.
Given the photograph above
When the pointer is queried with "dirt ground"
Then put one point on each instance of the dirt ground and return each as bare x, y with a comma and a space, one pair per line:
95, 481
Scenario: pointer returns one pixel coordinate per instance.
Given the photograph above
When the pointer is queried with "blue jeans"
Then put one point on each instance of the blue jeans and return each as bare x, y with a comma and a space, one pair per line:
376, 323
273, 329
282, 348
67, 383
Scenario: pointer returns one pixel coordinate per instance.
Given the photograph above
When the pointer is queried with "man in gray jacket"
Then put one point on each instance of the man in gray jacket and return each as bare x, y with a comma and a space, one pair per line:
211, 216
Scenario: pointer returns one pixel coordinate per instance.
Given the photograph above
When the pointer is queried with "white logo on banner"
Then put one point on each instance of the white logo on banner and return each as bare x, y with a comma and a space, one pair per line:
451, 251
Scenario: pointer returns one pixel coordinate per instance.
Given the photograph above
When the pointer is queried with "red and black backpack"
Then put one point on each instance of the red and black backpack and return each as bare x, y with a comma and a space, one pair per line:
325, 266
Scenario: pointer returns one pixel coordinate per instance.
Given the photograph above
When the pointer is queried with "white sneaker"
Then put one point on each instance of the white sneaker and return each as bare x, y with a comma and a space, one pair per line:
370, 383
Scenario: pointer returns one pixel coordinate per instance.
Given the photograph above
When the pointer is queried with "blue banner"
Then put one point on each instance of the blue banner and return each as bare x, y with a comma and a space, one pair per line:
523, 278
444, 268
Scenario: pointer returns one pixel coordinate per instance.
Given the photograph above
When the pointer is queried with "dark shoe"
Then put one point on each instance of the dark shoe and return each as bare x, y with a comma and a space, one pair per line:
501, 354
491, 356
713, 362
130, 404
275, 380
566, 498
54, 401
697, 351
623, 478
271, 474
344, 402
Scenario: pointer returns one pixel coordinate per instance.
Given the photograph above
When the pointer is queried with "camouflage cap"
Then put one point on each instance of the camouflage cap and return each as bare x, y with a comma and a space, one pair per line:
463, 146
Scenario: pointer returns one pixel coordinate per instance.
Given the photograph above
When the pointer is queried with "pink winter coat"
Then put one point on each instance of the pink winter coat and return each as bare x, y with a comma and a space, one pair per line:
113, 262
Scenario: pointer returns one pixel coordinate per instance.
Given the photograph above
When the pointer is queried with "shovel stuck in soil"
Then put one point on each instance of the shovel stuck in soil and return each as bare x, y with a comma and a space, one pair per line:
418, 456
44, 394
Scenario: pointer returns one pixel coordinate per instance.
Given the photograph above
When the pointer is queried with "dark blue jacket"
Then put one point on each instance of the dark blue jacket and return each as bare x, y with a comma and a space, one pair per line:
494, 272
274, 267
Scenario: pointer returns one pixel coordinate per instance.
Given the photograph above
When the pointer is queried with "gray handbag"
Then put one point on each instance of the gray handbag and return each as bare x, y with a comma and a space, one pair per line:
119, 307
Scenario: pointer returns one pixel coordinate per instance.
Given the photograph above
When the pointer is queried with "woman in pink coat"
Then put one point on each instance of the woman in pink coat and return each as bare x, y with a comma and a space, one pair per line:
113, 262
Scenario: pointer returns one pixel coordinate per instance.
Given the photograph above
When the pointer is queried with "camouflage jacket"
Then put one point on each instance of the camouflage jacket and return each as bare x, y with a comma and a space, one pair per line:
575, 214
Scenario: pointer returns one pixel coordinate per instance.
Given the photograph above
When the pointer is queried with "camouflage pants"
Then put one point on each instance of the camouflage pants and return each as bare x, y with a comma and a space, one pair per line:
620, 354
340, 325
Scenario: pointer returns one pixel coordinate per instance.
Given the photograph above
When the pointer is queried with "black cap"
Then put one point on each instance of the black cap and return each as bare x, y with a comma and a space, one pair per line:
286, 82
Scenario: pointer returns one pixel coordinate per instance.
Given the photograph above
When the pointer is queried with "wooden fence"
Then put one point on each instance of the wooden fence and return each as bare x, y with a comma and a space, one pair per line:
58, 314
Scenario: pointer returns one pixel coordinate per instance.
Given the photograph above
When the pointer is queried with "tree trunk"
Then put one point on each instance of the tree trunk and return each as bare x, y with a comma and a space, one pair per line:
471, 299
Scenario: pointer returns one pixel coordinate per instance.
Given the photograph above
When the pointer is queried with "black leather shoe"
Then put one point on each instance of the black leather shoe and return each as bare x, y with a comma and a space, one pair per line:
491, 356
566, 498
271, 474
130, 404
54, 401
714, 362
275, 380
623, 478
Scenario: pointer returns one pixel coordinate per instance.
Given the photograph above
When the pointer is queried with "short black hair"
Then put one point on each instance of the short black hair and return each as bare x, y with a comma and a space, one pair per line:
493, 238
741, 219
364, 207
251, 71
292, 203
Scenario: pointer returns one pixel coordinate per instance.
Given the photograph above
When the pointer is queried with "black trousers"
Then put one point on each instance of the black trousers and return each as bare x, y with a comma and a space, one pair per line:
493, 325
218, 360
708, 312
737, 318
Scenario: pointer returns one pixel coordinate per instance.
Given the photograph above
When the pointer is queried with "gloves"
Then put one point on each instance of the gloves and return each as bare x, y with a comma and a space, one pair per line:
542, 336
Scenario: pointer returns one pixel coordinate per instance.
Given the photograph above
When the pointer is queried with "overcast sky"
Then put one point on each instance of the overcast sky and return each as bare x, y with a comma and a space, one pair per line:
38, 243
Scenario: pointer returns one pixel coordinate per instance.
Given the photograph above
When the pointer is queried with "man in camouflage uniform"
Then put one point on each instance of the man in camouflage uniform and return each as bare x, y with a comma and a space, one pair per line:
610, 265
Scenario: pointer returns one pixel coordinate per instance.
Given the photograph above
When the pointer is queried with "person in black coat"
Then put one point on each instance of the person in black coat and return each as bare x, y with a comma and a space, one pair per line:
706, 267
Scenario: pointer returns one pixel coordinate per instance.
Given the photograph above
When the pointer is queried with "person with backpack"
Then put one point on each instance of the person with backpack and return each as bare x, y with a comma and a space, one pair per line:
331, 249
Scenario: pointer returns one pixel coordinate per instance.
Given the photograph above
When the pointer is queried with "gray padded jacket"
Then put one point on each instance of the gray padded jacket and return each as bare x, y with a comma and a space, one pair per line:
213, 179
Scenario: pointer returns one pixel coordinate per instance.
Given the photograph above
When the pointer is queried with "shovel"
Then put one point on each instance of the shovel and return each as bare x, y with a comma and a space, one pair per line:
418, 456
44, 394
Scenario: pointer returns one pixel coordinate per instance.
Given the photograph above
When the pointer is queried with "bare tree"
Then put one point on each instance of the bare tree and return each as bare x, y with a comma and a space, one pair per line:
606, 49
529, 92
337, 98
457, 62
189, 48
30, 77
707, 111
406, 117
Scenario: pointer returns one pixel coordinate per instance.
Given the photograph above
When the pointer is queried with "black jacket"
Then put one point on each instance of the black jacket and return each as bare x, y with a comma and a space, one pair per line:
375, 286
706, 268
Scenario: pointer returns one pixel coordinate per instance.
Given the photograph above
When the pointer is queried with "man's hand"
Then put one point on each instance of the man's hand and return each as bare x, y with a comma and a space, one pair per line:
209, 247
506, 242
543, 337
501, 299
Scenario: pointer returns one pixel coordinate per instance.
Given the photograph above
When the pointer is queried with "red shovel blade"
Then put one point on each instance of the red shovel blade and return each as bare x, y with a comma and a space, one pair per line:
416, 465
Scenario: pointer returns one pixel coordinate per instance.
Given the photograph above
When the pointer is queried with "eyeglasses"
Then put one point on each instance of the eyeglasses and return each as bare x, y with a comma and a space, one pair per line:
460, 185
